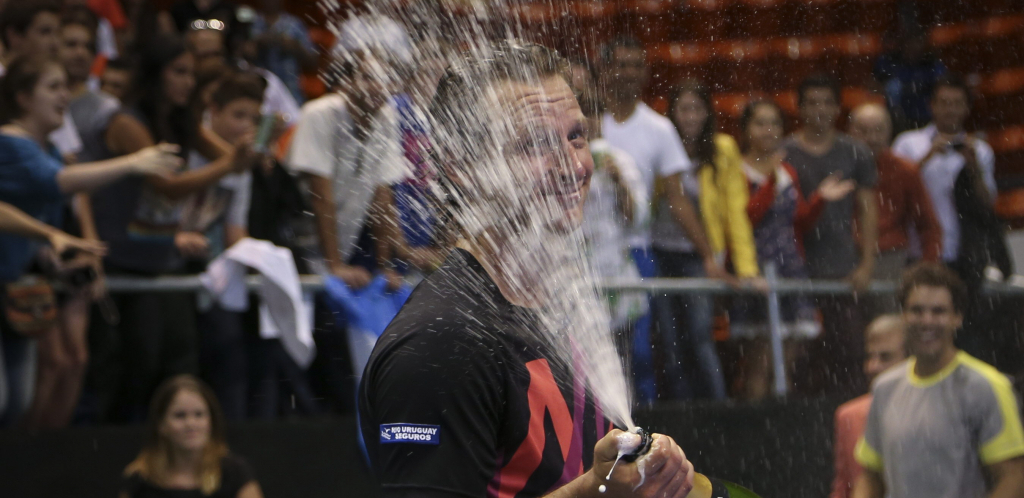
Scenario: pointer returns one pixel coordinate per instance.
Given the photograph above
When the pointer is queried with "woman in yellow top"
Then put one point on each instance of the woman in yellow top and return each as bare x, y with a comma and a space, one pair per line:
691, 364
724, 192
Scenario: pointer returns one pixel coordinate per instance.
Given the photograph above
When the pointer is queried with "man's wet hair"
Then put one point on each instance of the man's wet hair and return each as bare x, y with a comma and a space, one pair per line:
933, 275
461, 130
454, 106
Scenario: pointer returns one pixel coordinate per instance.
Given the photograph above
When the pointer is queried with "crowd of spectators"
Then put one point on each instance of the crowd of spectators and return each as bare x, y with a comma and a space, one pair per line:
160, 138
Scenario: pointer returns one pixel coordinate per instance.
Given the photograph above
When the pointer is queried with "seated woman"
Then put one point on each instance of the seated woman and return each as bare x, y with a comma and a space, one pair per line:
185, 453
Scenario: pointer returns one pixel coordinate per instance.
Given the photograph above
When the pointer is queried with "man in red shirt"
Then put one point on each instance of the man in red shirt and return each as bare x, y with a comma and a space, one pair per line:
884, 347
902, 199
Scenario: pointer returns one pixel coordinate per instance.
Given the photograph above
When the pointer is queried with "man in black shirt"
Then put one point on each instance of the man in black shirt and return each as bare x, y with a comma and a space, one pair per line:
465, 393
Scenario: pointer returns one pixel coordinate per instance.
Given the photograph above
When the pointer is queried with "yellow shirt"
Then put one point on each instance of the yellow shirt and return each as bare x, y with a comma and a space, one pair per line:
724, 195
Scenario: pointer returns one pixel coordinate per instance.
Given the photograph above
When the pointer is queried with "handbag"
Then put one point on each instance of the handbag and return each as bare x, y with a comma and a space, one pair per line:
30, 305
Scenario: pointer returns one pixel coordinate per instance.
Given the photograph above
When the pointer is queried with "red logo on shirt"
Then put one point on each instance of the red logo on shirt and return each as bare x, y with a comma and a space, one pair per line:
545, 398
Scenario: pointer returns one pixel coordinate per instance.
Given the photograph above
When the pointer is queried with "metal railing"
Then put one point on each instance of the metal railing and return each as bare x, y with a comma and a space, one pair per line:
776, 287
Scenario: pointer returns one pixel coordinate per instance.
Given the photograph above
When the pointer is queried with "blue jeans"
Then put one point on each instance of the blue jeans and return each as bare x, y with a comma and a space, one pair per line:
17, 375
643, 363
692, 366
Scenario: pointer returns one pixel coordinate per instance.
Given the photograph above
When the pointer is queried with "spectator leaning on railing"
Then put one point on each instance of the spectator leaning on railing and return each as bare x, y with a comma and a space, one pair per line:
33, 101
214, 220
722, 197
817, 151
139, 220
650, 139
781, 218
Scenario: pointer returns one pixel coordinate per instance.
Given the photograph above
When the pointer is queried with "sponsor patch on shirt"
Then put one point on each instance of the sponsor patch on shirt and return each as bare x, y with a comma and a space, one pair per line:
410, 433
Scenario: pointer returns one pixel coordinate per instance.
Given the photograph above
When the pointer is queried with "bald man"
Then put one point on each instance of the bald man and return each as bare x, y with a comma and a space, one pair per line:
884, 347
902, 198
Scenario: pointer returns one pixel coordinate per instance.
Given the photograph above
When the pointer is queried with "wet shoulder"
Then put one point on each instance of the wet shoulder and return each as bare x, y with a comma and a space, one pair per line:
453, 309
979, 378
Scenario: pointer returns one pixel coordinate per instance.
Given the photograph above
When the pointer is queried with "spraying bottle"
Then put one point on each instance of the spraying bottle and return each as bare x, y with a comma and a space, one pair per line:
703, 486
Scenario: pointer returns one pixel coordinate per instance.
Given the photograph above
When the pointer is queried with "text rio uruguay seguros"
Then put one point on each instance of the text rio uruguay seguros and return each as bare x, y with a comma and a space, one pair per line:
410, 433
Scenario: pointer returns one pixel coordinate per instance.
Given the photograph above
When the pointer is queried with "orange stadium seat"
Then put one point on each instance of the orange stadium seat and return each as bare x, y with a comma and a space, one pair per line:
950, 41
855, 55
876, 16
790, 60
738, 66
674, 61
755, 18
813, 17
651, 21
1001, 100
854, 96
998, 42
704, 20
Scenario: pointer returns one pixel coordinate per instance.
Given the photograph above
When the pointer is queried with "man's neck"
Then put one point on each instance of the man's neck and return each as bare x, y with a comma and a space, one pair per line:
926, 367
817, 141
949, 129
515, 282
621, 108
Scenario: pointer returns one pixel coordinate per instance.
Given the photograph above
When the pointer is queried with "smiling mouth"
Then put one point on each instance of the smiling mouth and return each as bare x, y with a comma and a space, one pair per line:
567, 193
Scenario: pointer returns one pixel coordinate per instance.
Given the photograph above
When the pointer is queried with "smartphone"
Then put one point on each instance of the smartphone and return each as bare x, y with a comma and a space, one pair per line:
266, 128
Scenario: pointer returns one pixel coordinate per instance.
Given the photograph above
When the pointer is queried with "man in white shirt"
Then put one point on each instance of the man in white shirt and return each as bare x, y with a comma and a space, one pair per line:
654, 144
942, 150
347, 146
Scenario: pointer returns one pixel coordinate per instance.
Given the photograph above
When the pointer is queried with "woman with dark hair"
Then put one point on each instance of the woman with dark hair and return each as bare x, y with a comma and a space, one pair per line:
33, 100
139, 218
780, 216
186, 453
717, 181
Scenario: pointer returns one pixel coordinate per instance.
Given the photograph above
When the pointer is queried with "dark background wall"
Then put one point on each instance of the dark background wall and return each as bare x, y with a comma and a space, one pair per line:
775, 448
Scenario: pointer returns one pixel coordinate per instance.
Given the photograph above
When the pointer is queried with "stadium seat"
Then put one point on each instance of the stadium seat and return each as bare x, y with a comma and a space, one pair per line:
790, 60
672, 62
815, 17
855, 55
738, 66
998, 41
703, 20
874, 16
1001, 100
950, 42
755, 19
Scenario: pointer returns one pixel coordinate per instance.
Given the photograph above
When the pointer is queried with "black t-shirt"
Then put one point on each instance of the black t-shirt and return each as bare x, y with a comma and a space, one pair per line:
235, 473
457, 400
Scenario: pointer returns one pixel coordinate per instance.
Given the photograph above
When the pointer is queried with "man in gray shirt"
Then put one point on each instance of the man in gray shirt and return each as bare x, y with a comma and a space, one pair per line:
816, 152
942, 420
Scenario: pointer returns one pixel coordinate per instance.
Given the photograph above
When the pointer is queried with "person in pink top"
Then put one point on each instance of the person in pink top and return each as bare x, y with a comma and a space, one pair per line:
884, 347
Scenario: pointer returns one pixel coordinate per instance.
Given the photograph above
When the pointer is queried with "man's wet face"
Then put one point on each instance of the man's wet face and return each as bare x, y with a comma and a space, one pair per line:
545, 143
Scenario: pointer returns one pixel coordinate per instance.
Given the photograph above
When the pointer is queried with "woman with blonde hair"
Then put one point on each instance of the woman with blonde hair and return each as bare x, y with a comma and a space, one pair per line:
185, 453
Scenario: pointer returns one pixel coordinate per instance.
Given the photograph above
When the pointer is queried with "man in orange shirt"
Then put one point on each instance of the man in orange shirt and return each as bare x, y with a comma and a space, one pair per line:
884, 347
